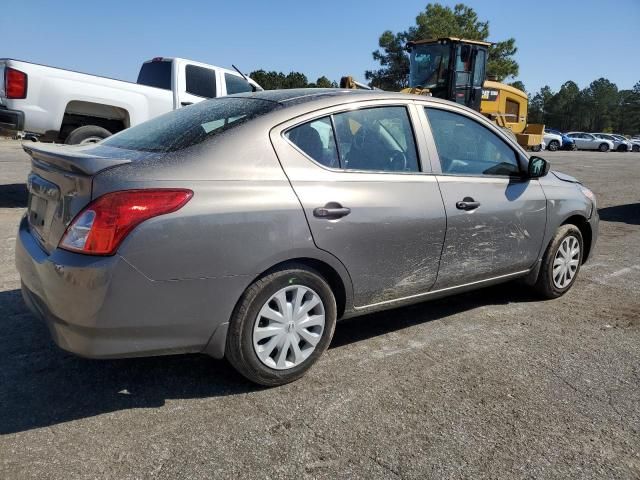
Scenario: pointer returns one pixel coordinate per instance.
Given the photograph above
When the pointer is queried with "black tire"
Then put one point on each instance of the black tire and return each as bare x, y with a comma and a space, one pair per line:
87, 134
636, 148
536, 148
545, 285
239, 348
553, 145
603, 147
622, 148
573, 147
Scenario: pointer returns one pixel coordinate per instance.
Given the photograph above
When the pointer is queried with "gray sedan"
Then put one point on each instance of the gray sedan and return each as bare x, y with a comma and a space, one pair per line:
244, 227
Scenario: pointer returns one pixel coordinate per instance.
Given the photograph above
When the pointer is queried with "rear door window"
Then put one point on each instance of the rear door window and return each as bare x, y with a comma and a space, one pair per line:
376, 139
236, 84
200, 81
316, 139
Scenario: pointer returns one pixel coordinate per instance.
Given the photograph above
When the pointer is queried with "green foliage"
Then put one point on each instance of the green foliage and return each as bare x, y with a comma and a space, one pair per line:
277, 80
600, 107
438, 21
519, 85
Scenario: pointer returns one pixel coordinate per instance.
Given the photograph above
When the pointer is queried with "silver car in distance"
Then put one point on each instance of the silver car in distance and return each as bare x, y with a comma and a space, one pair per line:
244, 227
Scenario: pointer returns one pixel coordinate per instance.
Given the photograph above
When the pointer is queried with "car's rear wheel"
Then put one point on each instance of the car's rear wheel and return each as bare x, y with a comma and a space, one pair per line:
281, 325
573, 147
561, 262
87, 134
603, 147
553, 145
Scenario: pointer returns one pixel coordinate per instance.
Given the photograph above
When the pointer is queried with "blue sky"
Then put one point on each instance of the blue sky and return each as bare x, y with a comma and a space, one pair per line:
557, 40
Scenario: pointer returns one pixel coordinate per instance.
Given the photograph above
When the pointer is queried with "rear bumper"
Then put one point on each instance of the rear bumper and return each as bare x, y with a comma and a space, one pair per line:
102, 307
11, 119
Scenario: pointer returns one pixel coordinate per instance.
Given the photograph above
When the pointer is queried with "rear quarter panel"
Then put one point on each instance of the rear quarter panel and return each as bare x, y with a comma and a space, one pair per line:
243, 218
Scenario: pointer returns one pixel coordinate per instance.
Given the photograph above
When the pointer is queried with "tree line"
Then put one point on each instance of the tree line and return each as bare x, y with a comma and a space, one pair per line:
600, 107
272, 80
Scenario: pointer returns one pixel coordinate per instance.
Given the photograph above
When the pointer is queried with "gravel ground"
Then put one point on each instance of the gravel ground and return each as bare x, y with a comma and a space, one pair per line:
490, 384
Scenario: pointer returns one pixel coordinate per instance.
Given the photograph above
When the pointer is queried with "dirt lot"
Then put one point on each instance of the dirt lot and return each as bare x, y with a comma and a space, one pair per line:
489, 384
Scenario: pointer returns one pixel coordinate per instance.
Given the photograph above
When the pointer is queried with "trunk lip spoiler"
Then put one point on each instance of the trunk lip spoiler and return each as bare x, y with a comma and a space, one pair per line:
66, 159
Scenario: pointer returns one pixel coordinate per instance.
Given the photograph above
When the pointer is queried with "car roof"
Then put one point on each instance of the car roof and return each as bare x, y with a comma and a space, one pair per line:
297, 96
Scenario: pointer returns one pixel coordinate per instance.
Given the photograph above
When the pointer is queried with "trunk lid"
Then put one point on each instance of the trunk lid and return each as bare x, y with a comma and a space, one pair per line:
59, 186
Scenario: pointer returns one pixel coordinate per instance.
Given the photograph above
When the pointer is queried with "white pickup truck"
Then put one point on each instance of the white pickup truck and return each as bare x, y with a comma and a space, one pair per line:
60, 105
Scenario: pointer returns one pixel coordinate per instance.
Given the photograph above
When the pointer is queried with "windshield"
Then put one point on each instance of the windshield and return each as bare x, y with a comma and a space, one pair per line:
429, 65
185, 127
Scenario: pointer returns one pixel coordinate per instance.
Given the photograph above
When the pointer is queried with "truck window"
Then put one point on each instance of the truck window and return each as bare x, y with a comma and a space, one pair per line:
201, 81
236, 84
156, 74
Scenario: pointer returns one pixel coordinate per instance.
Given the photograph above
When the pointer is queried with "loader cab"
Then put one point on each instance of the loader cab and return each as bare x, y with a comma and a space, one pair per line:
450, 68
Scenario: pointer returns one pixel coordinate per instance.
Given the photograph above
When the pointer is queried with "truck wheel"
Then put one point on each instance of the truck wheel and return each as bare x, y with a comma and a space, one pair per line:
87, 134
603, 147
553, 145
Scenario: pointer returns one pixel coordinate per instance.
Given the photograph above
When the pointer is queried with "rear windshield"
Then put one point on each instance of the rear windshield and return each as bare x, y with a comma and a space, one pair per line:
156, 74
188, 126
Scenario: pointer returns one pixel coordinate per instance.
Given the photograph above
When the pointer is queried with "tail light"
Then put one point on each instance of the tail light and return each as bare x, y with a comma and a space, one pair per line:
104, 223
15, 83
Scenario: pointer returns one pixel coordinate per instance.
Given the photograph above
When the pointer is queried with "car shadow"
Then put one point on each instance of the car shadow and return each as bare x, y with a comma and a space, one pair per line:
13, 195
628, 213
42, 385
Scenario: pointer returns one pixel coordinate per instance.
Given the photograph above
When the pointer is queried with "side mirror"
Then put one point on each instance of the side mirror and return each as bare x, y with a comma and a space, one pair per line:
538, 167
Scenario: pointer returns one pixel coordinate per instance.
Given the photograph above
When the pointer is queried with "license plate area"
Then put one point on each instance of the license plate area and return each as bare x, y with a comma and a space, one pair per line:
43, 198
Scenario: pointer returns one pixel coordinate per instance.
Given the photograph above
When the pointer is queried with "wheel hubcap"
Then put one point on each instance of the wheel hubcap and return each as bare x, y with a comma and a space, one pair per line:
288, 328
566, 262
90, 140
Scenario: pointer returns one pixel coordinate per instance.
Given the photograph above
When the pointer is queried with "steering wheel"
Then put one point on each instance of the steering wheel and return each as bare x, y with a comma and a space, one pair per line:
398, 161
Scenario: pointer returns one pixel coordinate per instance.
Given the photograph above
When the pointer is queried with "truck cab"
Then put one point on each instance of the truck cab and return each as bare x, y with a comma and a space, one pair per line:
191, 82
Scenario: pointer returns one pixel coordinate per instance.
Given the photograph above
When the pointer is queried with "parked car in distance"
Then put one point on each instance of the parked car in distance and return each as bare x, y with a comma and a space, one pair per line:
59, 105
633, 145
620, 144
588, 141
552, 141
567, 142
245, 226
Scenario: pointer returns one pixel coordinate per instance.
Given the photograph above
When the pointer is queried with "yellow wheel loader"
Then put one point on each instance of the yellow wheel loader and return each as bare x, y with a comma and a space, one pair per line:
455, 69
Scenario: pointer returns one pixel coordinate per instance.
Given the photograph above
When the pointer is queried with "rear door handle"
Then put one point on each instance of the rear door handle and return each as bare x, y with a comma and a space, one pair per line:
331, 211
186, 104
467, 203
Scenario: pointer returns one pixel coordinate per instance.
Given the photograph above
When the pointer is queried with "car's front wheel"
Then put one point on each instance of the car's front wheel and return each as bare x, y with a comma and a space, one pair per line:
561, 262
281, 325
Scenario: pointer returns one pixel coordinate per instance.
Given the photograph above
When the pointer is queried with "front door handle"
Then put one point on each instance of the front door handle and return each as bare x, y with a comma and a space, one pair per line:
467, 203
186, 104
331, 211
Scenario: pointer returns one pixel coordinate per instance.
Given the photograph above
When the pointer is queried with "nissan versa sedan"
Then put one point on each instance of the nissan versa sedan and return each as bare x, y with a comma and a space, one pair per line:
244, 227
